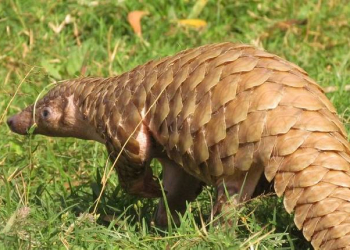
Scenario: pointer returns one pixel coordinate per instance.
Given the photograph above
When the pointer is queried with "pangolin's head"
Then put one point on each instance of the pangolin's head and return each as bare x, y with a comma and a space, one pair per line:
54, 115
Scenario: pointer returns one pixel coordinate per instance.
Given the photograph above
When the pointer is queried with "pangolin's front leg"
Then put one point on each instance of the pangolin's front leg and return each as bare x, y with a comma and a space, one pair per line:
137, 179
179, 187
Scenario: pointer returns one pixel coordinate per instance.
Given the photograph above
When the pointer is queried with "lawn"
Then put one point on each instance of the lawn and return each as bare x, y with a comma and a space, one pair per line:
48, 186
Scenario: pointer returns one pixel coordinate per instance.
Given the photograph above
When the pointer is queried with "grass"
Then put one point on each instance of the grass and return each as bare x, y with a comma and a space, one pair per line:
48, 185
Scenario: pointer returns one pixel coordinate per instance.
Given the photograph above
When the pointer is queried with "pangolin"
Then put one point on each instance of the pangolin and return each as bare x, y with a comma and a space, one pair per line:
222, 115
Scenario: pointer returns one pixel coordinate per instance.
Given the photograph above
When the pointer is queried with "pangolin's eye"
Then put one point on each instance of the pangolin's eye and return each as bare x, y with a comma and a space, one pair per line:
45, 113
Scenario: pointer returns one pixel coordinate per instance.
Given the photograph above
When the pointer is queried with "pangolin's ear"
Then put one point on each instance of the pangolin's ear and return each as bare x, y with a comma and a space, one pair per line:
69, 110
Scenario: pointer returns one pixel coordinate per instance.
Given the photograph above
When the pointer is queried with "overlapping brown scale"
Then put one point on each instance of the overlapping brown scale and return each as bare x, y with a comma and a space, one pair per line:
264, 149
345, 157
242, 64
91, 113
338, 231
202, 113
189, 106
189, 56
323, 207
173, 136
228, 165
308, 177
78, 89
163, 135
334, 119
288, 143
216, 167
168, 62
124, 79
139, 98
315, 121
193, 80
266, 96
178, 80
87, 90
237, 109
215, 129
211, 79
288, 79
175, 106
316, 192
229, 145
331, 220
162, 82
337, 178
253, 78
131, 118
345, 206
309, 227
157, 63
137, 76
331, 160
205, 56
301, 212
191, 165
174, 155
313, 84
318, 238
281, 119
299, 160
317, 91
251, 129
200, 147
132, 144
227, 57
340, 243
323, 141
101, 111
272, 63
291, 197
222, 93
271, 168
341, 193
244, 157
176, 63
299, 98
298, 68
262, 53
185, 137
281, 181
161, 112
240, 46
123, 99
150, 81
342, 140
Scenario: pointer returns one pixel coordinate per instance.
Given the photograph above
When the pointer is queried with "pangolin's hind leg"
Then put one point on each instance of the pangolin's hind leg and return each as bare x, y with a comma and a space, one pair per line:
179, 187
239, 187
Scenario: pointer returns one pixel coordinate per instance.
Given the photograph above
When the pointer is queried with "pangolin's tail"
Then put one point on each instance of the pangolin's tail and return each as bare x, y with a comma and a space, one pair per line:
310, 165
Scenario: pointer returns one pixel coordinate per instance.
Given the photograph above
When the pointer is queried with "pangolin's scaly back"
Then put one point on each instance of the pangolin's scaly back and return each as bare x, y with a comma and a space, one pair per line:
223, 107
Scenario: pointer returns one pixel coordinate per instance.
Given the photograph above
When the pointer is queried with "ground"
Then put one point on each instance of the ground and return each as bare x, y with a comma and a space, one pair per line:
48, 186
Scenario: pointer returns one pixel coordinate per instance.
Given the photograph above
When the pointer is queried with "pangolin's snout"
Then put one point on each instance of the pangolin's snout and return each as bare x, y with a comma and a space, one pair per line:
20, 123
10, 122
